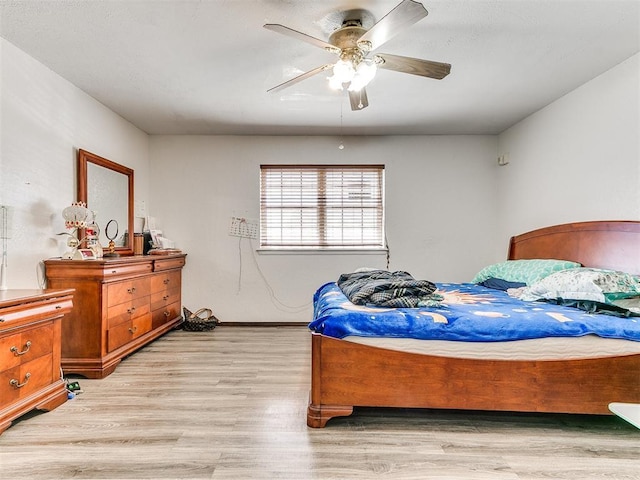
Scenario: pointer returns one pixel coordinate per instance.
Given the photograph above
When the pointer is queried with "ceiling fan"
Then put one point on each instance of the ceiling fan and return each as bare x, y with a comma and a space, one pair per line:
354, 43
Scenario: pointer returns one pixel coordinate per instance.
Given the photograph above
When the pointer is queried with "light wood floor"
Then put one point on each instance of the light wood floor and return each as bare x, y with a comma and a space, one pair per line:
231, 404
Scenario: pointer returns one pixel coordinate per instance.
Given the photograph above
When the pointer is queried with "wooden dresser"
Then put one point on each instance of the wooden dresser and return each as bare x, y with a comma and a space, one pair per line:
122, 304
30, 329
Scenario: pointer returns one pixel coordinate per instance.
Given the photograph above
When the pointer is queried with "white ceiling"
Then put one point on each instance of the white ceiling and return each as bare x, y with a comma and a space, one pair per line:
204, 67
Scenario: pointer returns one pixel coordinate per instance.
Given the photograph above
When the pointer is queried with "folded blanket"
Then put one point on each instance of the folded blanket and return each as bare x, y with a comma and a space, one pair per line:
385, 289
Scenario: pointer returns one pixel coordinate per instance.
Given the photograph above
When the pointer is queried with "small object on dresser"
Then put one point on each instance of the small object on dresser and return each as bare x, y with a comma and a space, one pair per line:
201, 321
138, 243
111, 235
164, 251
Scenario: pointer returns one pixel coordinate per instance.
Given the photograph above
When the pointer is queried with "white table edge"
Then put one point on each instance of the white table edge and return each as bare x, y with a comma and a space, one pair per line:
627, 411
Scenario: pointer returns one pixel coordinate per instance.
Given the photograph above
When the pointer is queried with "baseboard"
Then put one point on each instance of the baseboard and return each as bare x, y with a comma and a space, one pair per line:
263, 324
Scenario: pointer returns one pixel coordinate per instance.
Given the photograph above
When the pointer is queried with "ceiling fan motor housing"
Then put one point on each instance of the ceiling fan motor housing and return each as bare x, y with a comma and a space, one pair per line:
346, 39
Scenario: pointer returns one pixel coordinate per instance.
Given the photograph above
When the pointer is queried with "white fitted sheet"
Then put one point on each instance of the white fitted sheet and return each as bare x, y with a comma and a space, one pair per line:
551, 348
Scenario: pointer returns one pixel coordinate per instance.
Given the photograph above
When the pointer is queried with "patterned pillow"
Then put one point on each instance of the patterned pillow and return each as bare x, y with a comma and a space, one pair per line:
523, 271
605, 286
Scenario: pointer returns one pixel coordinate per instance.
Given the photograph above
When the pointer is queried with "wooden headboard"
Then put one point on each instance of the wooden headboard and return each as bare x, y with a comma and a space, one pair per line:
613, 245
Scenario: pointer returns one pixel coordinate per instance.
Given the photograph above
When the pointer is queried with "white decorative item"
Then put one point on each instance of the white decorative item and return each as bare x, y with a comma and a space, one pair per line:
76, 217
92, 236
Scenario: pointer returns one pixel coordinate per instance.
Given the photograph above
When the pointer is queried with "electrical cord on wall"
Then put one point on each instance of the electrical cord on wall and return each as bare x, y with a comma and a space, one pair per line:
386, 242
279, 304
240, 265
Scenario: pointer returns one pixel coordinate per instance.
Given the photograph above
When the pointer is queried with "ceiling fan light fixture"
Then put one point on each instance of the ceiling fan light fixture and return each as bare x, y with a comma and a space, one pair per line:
343, 71
335, 83
354, 40
365, 72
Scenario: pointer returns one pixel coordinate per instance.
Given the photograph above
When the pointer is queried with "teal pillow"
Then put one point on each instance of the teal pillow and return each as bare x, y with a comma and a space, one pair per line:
523, 271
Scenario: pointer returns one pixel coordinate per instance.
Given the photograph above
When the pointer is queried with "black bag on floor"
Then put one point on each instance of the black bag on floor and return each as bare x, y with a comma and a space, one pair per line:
201, 321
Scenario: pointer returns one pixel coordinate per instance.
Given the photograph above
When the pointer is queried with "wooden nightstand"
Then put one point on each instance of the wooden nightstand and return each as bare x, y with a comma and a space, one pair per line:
30, 334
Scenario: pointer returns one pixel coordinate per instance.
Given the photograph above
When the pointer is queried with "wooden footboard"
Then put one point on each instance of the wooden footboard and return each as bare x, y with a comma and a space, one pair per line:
346, 375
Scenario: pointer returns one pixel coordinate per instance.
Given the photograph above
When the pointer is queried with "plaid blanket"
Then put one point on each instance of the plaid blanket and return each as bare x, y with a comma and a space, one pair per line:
382, 288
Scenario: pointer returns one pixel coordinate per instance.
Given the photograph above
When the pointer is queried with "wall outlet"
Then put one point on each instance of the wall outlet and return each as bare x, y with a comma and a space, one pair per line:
243, 227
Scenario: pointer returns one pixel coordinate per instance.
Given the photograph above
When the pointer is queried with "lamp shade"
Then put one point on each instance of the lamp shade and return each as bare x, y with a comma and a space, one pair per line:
76, 215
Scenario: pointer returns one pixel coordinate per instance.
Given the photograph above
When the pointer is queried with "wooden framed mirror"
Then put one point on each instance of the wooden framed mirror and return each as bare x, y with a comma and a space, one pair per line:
107, 189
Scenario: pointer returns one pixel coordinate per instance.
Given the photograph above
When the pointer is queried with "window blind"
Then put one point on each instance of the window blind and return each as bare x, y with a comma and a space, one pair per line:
325, 206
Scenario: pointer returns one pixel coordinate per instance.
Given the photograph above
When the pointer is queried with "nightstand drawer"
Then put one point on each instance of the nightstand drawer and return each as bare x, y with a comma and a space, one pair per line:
26, 379
27, 345
12, 317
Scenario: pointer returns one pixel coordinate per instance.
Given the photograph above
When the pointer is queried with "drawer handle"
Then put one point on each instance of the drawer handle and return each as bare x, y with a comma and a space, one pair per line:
14, 383
1, 320
114, 271
58, 307
15, 351
166, 314
131, 290
166, 297
166, 281
133, 330
131, 310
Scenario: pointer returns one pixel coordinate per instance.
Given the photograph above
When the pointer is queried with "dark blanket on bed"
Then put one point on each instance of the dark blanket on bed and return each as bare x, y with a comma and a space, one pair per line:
384, 289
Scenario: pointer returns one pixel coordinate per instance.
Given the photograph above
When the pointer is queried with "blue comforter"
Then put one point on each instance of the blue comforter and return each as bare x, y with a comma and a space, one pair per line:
469, 313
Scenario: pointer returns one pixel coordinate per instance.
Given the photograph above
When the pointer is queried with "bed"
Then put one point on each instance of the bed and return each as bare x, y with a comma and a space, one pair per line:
351, 372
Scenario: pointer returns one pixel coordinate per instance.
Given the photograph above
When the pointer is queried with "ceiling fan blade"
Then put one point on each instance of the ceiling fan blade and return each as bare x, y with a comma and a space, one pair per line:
358, 100
405, 14
414, 66
300, 77
289, 32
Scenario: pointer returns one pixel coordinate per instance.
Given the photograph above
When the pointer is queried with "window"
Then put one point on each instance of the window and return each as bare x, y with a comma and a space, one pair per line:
322, 206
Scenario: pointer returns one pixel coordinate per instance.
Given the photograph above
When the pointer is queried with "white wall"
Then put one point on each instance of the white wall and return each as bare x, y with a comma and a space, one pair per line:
44, 119
450, 208
440, 205
578, 158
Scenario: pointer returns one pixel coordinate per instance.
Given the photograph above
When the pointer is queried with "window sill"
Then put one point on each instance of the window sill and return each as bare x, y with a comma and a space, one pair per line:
322, 251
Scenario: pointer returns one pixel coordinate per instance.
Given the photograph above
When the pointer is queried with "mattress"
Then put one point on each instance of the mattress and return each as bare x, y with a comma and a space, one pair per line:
550, 348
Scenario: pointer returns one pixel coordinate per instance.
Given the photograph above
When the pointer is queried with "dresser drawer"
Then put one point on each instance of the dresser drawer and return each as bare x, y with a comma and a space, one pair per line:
20, 348
168, 263
127, 311
165, 281
122, 292
25, 379
122, 334
121, 270
160, 300
163, 315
